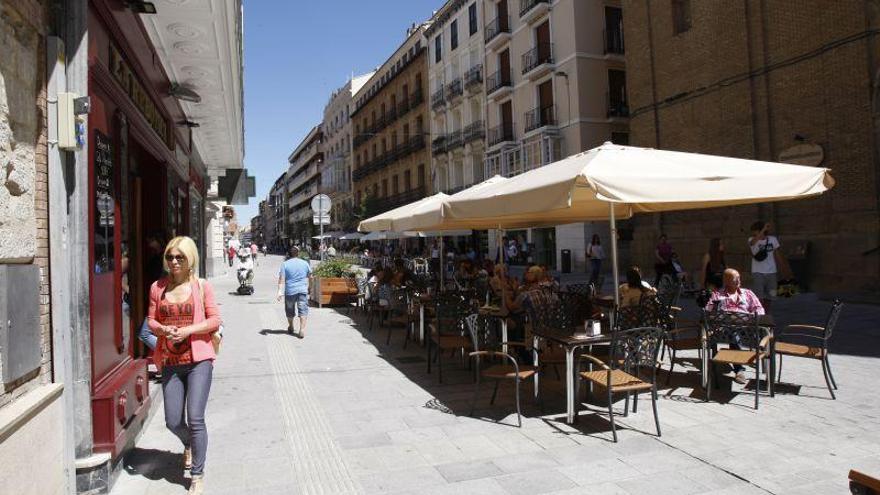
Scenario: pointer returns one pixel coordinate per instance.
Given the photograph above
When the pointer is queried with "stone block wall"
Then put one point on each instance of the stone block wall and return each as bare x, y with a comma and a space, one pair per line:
751, 79
24, 198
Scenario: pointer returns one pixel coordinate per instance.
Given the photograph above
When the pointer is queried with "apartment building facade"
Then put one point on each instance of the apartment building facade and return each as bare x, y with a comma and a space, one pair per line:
391, 158
555, 86
303, 179
458, 99
781, 81
336, 170
275, 215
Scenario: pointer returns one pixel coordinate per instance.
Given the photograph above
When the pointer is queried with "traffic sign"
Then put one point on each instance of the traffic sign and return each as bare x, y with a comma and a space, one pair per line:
321, 203
321, 219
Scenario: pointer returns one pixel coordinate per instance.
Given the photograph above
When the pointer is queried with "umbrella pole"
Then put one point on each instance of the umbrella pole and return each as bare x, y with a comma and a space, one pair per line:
615, 272
442, 265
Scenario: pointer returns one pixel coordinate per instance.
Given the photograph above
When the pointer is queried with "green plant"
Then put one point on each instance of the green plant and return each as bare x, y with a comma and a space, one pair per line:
334, 269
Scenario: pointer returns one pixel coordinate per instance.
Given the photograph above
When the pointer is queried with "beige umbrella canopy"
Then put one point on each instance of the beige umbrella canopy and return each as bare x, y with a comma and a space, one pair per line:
386, 221
635, 180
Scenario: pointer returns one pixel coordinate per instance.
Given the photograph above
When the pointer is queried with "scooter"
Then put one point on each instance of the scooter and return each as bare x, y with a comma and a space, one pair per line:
245, 276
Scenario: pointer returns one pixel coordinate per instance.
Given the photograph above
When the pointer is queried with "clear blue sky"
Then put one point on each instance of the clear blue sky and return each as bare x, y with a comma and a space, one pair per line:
296, 53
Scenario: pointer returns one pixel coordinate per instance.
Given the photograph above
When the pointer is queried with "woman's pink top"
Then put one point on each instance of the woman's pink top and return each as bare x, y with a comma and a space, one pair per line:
202, 348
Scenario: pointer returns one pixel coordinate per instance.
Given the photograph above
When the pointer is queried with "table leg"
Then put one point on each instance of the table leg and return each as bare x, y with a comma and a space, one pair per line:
422, 323
504, 334
535, 356
569, 383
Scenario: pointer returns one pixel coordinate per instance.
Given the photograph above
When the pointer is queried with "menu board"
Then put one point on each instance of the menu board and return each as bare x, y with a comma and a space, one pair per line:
105, 205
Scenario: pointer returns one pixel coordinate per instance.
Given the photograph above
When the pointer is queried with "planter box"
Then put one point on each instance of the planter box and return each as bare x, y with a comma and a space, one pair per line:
333, 291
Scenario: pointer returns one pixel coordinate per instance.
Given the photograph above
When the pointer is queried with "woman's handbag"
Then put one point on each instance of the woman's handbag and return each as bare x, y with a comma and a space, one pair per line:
217, 336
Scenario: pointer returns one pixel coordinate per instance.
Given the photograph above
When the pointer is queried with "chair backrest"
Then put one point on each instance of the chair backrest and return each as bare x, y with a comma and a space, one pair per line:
400, 300
669, 290
480, 328
635, 348
656, 313
451, 311
730, 327
627, 317
836, 306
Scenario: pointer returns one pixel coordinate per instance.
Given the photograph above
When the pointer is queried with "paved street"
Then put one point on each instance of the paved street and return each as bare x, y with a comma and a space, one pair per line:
340, 412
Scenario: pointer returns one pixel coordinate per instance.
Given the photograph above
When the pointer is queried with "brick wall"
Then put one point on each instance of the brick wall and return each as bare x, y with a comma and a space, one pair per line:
818, 87
25, 21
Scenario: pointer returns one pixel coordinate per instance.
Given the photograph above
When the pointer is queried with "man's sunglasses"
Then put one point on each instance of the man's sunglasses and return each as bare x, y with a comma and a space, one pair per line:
171, 257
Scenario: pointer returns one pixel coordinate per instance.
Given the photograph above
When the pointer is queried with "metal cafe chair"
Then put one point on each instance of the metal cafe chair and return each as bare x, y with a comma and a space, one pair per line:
749, 345
485, 344
447, 330
632, 368
811, 342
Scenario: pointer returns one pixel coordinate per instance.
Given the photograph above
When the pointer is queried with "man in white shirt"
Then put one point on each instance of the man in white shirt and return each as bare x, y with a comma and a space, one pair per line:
763, 247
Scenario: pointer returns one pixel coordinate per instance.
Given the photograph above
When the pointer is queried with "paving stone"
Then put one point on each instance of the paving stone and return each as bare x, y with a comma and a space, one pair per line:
535, 482
461, 471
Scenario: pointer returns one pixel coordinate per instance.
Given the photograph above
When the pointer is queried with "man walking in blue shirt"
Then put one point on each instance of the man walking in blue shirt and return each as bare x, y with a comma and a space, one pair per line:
296, 276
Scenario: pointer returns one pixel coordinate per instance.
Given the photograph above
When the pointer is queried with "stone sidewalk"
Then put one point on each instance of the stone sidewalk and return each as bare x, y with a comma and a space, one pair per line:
340, 412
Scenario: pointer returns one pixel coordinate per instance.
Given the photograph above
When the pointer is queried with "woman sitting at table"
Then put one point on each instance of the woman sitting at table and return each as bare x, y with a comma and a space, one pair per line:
401, 275
632, 291
501, 283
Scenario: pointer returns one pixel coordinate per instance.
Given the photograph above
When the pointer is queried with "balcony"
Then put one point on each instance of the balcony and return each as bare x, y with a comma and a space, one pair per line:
404, 198
497, 32
474, 131
538, 61
613, 42
438, 99
438, 145
500, 134
395, 114
530, 10
617, 107
498, 84
454, 90
473, 77
540, 117
454, 140
416, 99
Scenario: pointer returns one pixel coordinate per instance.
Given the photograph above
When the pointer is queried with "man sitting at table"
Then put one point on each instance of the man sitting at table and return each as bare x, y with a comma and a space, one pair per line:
733, 298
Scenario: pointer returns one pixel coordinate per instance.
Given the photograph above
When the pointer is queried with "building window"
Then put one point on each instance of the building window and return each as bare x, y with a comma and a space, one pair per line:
438, 48
681, 16
453, 34
421, 178
395, 186
407, 180
472, 18
384, 188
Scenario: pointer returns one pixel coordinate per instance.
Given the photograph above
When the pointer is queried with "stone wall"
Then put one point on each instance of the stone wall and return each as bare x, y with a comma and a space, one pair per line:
24, 234
751, 79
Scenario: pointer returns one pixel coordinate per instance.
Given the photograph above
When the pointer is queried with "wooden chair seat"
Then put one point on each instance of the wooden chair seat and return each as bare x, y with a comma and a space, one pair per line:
621, 381
685, 344
735, 356
508, 371
799, 350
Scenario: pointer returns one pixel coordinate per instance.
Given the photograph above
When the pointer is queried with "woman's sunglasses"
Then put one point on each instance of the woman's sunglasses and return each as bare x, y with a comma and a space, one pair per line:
171, 257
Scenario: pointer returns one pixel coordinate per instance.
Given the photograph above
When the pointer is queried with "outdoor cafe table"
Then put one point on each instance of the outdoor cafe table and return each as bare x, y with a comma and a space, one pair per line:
571, 344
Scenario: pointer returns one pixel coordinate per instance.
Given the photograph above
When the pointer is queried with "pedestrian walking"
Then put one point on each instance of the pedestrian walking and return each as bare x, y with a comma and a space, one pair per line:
662, 260
294, 281
254, 251
595, 255
183, 315
230, 253
764, 248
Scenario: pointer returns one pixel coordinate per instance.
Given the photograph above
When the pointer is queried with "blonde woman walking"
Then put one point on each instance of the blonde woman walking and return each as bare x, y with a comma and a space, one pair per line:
183, 315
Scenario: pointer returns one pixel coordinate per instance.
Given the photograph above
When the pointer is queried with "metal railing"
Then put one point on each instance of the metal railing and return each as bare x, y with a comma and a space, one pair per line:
541, 54
497, 26
497, 80
454, 89
500, 134
540, 117
438, 145
454, 140
402, 108
614, 41
474, 131
473, 76
438, 99
400, 199
617, 107
526, 5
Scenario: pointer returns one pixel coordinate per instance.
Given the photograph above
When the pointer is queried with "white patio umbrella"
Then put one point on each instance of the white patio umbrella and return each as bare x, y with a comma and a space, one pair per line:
614, 181
382, 235
386, 220
352, 236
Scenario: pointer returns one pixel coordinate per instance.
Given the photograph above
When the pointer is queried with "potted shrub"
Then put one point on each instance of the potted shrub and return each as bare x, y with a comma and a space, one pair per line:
334, 282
